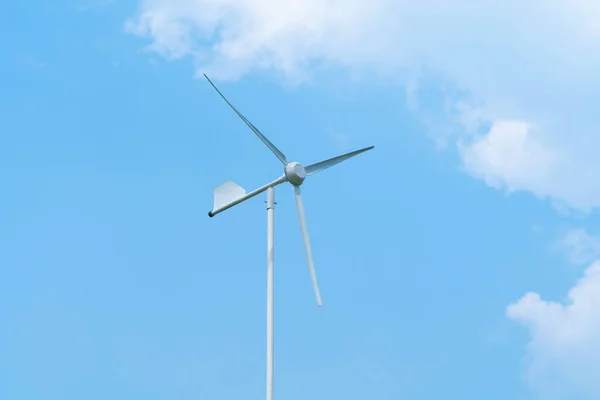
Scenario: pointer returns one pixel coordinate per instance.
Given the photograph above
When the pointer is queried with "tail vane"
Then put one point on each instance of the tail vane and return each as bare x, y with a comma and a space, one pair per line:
227, 193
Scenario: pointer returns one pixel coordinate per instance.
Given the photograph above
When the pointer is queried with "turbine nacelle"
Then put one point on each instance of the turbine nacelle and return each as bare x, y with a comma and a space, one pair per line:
295, 173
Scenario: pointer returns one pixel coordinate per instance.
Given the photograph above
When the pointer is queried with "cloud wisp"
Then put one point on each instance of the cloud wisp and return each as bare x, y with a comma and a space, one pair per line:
563, 359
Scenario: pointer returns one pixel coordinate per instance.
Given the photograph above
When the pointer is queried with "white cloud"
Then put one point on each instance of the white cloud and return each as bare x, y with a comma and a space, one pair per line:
581, 247
509, 155
529, 68
563, 359
227, 38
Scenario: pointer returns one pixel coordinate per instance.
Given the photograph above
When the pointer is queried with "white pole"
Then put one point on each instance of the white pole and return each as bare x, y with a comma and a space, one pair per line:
270, 262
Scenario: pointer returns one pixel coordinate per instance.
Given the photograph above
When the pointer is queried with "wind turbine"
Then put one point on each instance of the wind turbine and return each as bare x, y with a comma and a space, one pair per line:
230, 194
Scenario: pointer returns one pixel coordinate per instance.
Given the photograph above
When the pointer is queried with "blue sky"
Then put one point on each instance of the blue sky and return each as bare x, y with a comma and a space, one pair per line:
116, 284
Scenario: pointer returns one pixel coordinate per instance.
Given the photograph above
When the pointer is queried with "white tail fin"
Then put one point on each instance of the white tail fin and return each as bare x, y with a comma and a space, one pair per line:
227, 193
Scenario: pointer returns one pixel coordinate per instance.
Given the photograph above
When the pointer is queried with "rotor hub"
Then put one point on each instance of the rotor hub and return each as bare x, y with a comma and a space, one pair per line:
295, 173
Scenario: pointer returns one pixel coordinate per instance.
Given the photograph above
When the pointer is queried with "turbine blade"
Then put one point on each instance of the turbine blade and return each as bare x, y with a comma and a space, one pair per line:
323, 165
262, 137
309, 257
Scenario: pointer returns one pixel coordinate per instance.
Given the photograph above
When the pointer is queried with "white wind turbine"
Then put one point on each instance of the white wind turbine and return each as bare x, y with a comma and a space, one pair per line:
229, 194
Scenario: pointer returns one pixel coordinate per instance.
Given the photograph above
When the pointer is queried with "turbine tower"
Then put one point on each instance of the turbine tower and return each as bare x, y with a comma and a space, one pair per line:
230, 194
